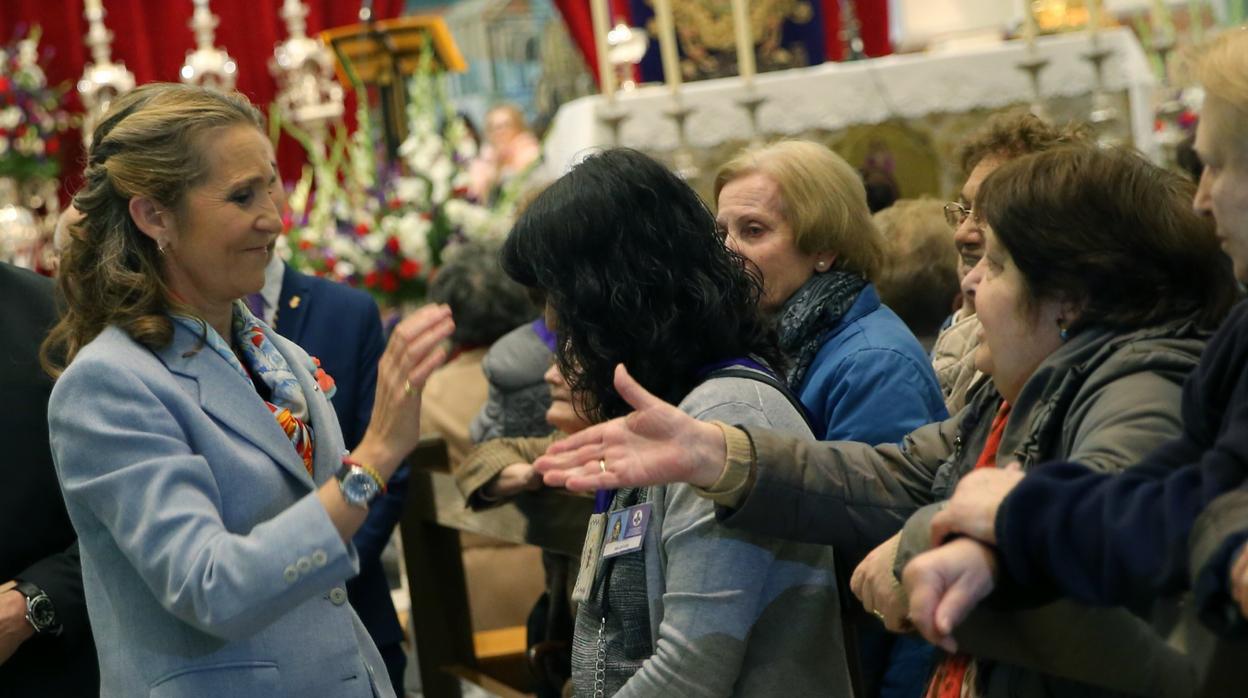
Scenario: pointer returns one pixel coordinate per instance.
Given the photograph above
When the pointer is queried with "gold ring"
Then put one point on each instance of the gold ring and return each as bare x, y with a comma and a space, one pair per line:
876, 612
602, 464
407, 388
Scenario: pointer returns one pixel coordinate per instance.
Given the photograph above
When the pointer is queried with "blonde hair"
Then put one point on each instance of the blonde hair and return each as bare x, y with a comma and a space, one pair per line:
822, 199
1221, 67
149, 144
920, 276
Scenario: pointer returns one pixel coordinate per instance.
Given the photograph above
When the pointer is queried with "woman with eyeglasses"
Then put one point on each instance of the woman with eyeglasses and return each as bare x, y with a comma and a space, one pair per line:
1097, 290
1002, 138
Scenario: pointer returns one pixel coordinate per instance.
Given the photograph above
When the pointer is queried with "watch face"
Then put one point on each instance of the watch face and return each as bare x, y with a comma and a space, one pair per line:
358, 487
42, 613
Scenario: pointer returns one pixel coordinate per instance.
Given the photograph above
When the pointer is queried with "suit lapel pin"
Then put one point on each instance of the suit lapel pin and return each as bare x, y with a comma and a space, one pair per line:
294, 302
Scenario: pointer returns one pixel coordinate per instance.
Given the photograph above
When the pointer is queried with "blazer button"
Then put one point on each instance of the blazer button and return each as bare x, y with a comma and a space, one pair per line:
303, 564
338, 596
291, 574
319, 558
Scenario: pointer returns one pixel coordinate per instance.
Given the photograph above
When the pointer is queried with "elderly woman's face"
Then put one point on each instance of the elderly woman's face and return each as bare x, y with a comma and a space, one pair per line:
1016, 336
751, 221
562, 413
226, 228
1223, 191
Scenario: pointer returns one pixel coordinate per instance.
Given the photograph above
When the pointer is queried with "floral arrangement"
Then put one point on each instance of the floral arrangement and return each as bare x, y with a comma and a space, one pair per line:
388, 231
31, 119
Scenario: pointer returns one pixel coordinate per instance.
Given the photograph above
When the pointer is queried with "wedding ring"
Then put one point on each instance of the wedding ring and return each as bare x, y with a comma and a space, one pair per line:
407, 388
602, 464
876, 612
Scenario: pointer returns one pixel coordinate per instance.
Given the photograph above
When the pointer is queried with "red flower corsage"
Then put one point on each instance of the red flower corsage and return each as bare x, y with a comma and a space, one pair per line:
323, 379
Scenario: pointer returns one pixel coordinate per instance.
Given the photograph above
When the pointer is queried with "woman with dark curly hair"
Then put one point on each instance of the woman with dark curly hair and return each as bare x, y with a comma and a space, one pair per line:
635, 273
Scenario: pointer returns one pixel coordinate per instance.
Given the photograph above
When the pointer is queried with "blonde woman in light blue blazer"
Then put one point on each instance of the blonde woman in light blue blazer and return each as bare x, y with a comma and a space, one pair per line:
201, 461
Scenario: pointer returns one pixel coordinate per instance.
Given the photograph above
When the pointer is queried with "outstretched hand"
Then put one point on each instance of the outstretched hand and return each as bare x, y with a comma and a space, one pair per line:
945, 584
656, 444
972, 511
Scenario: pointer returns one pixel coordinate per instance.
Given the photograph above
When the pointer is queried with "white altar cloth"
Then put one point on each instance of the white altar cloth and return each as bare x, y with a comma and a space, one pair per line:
833, 96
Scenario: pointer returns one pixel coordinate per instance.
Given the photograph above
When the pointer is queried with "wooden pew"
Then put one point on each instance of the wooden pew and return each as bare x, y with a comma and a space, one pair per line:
432, 519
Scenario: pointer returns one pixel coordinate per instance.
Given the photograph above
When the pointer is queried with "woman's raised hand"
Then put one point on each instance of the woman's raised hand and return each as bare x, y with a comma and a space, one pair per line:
655, 445
412, 354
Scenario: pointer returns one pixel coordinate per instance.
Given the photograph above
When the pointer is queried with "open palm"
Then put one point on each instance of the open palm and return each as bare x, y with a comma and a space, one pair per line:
656, 444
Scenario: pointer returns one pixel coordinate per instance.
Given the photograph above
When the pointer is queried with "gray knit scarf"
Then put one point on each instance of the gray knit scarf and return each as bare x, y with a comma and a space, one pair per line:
810, 313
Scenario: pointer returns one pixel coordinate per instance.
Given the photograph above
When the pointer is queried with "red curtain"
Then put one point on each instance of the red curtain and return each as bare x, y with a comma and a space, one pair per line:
580, 25
153, 38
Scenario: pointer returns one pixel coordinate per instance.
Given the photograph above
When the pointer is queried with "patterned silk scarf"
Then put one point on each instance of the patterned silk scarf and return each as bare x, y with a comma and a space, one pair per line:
267, 365
810, 313
955, 675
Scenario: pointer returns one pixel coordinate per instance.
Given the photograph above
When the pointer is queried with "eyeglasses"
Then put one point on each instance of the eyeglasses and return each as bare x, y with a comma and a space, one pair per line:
956, 213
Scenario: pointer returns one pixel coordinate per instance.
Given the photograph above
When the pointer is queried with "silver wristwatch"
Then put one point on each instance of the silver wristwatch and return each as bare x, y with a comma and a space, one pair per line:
358, 487
40, 612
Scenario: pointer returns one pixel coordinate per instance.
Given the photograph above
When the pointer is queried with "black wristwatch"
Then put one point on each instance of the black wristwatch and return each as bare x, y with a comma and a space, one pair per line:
40, 612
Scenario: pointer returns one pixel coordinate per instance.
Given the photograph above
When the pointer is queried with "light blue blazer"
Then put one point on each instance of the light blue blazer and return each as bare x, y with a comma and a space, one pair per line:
209, 565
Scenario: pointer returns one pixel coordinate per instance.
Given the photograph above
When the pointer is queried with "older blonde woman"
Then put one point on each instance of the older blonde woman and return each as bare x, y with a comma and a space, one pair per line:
799, 213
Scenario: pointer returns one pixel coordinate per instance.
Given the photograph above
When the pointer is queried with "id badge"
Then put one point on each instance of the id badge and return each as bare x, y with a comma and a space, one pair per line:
590, 556
626, 530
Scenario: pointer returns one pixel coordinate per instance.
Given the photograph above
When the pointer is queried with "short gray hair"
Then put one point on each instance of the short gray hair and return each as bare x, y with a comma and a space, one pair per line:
485, 303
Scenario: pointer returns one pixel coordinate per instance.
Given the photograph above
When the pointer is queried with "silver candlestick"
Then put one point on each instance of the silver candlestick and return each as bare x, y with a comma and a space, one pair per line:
751, 102
102, 80
1033, 65
207, 65
613, 117
1103, 115
683, 159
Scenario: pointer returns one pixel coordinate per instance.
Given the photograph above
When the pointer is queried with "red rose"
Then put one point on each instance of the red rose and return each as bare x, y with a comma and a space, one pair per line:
389, 282
370, 279
392, 245
52, 146
409, 269
361, 229
305, 245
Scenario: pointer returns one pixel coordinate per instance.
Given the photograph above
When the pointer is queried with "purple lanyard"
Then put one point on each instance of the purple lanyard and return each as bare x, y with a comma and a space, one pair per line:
544, 333
602, 498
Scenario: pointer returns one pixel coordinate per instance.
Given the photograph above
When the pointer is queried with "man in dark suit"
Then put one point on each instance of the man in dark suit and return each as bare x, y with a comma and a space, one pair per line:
341, 327
45, 638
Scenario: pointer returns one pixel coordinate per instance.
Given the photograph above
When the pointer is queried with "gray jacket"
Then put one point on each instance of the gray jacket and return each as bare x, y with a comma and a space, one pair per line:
518, 396
730, 613
1104, 399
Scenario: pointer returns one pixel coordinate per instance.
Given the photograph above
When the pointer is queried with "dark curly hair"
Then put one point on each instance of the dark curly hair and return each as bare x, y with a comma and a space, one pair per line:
1014, 133
635, 273
1111, 232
